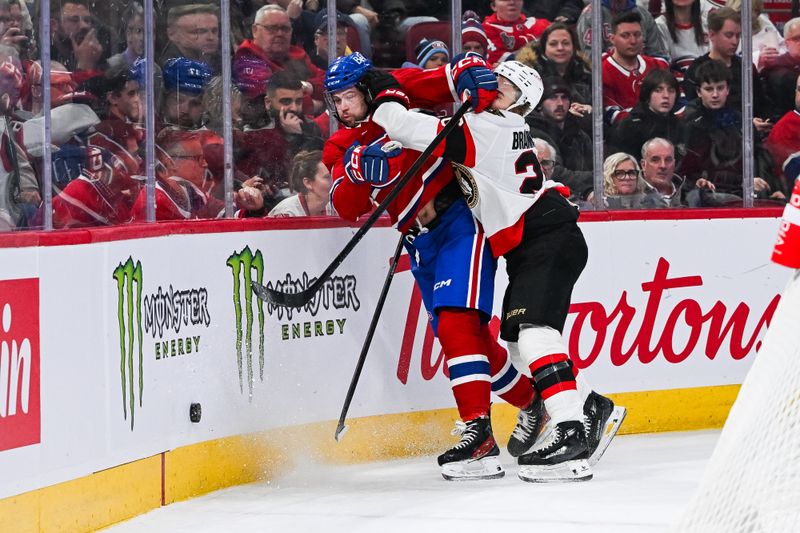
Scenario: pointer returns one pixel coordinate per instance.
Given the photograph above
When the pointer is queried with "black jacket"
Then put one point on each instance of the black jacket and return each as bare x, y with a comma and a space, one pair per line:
574, 146
642, 125
713, 142
762, 107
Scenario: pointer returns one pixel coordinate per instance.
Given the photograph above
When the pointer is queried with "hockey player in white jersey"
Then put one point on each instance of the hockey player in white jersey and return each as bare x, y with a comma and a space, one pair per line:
528, 221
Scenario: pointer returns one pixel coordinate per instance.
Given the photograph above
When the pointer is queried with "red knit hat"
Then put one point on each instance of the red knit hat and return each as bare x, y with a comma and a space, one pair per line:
472, 30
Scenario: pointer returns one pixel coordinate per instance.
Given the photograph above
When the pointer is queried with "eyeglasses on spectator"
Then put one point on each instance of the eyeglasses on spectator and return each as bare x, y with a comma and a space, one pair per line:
625, 174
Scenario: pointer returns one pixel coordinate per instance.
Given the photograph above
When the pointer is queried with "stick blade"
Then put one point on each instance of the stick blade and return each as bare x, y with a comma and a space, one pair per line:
341, 429
283, 299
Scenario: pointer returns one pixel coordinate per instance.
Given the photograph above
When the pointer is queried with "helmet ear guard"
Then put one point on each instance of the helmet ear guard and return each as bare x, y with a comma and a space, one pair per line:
527, 80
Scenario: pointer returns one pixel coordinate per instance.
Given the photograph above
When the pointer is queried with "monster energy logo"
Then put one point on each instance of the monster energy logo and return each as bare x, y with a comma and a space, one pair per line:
243, 265
130, 332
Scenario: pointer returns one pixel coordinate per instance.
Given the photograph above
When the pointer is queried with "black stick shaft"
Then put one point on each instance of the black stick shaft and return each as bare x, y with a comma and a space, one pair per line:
370, 333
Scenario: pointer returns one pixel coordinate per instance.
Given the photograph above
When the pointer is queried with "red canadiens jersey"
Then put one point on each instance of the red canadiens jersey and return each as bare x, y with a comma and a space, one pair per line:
351, 200
621, 86
89, 202
177, 199
784, 139
495, 163
507, 37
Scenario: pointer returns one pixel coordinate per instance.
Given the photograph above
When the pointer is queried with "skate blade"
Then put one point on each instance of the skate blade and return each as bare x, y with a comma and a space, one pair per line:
568, 471
612, 426
484, 468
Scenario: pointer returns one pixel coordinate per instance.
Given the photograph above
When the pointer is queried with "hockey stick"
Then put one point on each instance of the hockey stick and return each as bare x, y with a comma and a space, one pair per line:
341, 428
299, 299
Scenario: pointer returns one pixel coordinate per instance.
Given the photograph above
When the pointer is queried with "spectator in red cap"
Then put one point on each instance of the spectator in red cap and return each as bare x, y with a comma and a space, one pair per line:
473, 37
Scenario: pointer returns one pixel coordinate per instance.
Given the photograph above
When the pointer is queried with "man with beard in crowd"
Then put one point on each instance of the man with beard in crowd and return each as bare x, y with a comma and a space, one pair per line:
555, 123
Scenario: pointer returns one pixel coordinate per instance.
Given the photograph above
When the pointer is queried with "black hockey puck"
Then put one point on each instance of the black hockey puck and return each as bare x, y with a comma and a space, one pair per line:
195, 412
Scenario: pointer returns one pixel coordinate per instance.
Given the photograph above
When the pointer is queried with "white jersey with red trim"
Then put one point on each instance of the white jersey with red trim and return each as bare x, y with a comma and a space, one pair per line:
296, 206
495, 163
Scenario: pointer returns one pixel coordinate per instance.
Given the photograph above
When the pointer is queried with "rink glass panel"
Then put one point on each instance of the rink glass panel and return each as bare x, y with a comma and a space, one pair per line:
99, 132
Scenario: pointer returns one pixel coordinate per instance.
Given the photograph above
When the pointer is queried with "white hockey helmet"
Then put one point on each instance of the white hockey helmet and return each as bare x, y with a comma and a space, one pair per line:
527, 80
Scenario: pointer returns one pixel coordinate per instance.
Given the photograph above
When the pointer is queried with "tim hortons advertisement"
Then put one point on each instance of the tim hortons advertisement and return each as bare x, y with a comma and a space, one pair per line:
642, 317
20, 410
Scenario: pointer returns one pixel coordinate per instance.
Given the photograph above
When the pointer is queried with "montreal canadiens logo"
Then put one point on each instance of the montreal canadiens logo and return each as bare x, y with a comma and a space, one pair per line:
468, 185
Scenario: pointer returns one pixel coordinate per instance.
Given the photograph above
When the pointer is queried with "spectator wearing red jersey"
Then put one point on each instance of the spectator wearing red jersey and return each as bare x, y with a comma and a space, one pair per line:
784, 138
626, 67
271, 43
653, 42
508, 30
102, 194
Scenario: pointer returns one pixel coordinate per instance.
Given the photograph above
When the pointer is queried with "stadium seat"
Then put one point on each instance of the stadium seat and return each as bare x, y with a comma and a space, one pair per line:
438, 30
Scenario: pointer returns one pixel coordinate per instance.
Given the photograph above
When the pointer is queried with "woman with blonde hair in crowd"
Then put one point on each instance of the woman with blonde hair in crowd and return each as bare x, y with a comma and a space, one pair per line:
558, 53
312, 180
623, 184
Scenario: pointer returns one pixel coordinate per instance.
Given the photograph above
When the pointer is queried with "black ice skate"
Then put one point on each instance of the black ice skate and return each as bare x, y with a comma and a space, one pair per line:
563, 456
530, 423
601, 421
476, 454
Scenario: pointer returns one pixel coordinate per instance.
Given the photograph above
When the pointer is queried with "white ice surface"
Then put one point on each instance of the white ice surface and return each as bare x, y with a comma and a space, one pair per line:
641, 485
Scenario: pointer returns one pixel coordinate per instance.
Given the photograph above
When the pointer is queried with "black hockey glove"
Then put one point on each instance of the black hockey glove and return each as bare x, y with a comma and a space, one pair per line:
383, 87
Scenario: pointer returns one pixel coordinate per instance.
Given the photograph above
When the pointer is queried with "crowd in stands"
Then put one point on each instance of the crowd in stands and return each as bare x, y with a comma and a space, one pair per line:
671, 75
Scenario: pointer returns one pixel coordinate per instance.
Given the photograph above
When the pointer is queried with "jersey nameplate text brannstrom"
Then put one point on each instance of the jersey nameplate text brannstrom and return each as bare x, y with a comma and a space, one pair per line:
522, 140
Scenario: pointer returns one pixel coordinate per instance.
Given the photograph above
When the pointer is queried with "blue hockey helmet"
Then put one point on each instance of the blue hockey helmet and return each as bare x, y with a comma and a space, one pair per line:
186, 75
346, 71
136, 72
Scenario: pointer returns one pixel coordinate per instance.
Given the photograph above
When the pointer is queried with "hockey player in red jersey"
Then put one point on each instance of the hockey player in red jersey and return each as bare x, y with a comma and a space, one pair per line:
433, 215
528, 221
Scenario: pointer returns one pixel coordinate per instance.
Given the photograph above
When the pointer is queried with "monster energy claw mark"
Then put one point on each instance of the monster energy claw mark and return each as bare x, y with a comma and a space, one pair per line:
130, 333
243, 264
